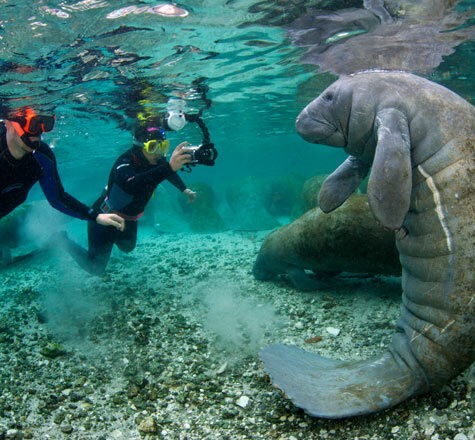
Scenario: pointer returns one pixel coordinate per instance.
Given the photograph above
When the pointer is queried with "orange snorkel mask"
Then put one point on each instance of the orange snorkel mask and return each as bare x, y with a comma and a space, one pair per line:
29, 124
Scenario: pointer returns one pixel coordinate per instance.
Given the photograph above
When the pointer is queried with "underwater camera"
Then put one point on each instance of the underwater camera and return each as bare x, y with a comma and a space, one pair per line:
204, 154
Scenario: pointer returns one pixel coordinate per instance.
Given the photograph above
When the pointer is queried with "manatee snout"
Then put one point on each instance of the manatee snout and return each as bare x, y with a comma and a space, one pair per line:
261, 270
315, 127
310, 129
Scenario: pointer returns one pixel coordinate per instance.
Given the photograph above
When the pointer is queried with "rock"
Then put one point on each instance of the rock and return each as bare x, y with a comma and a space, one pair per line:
284, 196
333, 331
148, 426
222, 368
202, 213
53, 350
310, 190
243, 401
14, 434
247, 199
66, 428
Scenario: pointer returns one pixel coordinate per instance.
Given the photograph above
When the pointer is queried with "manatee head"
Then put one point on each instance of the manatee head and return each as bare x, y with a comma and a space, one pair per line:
343, 115
324, 120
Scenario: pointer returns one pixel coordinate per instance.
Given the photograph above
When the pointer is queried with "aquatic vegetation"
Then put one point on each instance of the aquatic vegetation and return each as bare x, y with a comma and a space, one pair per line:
53, 350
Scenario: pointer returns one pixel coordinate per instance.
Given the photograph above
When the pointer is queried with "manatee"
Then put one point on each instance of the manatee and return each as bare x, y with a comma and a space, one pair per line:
347, 240
418, 139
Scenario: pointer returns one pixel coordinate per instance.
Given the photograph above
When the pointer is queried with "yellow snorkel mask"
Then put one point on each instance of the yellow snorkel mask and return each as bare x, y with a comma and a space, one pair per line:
153, 146
152, 138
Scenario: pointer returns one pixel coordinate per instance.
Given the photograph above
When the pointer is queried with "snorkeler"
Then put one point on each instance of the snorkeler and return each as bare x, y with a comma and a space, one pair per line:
132, 182
140, 98
25, 160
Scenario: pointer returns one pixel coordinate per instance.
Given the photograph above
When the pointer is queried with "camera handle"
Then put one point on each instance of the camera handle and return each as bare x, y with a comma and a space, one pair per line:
197, 119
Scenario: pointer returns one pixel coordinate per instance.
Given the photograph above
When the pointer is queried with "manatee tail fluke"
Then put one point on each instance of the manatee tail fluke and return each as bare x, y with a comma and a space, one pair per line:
336, 389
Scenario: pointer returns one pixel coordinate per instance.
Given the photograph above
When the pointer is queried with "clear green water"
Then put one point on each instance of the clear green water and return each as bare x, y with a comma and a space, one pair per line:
252, 73
68, 57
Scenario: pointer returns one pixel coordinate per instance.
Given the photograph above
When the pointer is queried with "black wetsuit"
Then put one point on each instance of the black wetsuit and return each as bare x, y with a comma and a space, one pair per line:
18, 176
132, 182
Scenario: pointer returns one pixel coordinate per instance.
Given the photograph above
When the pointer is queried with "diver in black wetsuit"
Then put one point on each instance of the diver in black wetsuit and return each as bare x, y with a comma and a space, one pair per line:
132, 182
25, 160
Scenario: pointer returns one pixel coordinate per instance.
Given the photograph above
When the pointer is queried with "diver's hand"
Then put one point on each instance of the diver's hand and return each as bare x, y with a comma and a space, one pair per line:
190, 194
180, 156
111, 220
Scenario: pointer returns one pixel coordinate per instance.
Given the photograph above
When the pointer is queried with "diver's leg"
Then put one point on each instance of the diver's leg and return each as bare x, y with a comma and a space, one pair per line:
100, 240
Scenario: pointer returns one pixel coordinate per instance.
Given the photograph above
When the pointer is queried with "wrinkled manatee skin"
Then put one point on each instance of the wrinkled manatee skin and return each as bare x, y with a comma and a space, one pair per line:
397, 116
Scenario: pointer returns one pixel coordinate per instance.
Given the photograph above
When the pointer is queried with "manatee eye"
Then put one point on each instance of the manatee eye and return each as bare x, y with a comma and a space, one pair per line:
328, 96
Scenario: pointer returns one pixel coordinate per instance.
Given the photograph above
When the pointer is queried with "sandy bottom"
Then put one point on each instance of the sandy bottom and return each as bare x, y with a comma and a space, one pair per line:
165, 345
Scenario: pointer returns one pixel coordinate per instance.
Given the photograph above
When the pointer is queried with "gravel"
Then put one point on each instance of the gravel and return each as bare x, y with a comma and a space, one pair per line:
164, 346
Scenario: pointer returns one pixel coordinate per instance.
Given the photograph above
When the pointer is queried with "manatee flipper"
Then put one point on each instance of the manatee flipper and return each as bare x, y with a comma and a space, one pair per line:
302, 281
340, 184
334, 389
23, 257
390, 181
5, 256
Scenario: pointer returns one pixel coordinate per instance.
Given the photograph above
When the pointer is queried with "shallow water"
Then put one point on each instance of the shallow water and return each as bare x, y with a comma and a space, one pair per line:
172, 330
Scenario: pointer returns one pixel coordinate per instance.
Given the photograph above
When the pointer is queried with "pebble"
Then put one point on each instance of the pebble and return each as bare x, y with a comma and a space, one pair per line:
243, 401
66, 428
148, 426
197, 393
222, 368
333, 331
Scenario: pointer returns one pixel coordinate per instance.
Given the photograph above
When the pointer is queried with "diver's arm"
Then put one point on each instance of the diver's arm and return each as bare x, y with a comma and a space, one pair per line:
53, 189
131, 181
177, 181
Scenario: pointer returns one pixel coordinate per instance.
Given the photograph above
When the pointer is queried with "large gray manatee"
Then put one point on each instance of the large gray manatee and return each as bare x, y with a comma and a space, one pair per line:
418, 139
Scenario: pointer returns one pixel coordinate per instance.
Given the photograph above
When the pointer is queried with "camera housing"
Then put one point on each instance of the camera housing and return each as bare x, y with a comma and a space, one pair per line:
204, 154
